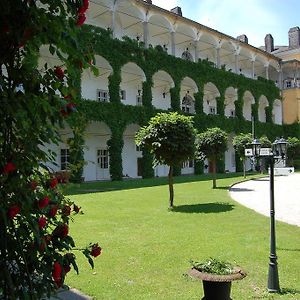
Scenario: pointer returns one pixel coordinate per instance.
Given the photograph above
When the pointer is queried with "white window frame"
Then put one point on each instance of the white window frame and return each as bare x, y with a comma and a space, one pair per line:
102, 95
103, 158
64, 159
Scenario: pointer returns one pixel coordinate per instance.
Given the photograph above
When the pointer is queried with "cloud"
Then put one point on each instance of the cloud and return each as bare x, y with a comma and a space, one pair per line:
166, 4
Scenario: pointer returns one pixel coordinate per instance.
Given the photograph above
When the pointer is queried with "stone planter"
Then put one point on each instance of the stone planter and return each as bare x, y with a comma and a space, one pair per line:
217, 287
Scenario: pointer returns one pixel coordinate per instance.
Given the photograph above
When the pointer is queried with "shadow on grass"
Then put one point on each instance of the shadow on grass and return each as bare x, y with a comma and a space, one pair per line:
286, 291
222, 188
286, 249
126, 184
204, 208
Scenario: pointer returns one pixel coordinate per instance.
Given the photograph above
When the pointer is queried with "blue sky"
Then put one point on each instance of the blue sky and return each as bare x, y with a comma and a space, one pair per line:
255, 18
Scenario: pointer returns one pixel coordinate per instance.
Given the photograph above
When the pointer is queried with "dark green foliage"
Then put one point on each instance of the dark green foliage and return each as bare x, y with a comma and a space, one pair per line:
170, 138
293, 150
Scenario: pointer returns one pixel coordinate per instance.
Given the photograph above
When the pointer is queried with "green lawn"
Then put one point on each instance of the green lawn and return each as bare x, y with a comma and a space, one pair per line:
147, 248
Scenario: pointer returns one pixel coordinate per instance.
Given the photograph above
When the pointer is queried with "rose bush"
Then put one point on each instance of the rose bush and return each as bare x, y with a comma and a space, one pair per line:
35, 243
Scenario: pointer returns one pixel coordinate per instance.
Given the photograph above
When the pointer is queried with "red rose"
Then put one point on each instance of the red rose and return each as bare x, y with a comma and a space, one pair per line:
61, 231
82, 10
13, 211
53, 211
86, 4
81, 19
59, 73
76, 208
96, 250
42, 222
8, 168
33, 185
43, 202
56, 273
66, 210
53, 182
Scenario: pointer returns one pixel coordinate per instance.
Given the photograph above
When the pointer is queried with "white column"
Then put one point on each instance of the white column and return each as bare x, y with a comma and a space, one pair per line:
253, 68
236, 63
146, 34
113, 21
267, 72
280, 77
173, 43
218, 57
196, 44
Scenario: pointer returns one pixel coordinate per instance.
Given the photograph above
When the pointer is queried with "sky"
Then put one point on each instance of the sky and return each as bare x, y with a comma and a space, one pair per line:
255, 18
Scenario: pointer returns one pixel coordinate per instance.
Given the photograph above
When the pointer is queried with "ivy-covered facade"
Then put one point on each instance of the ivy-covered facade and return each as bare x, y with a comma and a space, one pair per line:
133, 83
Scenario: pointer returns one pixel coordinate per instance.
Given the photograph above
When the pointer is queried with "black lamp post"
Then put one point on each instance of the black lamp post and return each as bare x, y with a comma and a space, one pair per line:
278, 152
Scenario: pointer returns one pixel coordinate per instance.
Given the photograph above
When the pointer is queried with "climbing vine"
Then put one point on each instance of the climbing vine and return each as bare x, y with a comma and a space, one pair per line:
117, 115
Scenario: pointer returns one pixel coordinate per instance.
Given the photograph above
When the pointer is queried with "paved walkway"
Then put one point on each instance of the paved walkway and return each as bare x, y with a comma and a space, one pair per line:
255, 194
71, 294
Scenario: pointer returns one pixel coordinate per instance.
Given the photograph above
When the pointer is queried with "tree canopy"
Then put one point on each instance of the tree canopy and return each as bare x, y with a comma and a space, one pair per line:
170, 137
212, 144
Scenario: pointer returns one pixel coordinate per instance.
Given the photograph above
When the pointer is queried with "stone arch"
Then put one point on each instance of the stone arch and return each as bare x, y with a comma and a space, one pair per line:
96, 87
277, 112
211, 93
262, 104
188, 88
96, 153
248, 100
162, 83
231, 96
159, 28
131, 86
131, 154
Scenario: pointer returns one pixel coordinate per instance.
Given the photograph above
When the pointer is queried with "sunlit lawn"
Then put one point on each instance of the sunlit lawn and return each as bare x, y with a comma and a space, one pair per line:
147, 248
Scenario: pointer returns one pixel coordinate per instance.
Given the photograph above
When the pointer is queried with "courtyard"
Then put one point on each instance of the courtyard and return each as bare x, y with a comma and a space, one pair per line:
147, 248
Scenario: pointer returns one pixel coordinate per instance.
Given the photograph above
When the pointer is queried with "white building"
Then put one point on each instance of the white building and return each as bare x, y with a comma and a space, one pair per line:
146, 85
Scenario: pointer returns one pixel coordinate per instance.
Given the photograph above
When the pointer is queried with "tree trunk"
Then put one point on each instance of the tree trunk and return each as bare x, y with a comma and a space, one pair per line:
171, 189
214, 167
244, 167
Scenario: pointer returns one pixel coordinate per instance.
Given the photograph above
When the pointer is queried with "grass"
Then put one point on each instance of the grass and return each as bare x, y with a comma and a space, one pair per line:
147, 248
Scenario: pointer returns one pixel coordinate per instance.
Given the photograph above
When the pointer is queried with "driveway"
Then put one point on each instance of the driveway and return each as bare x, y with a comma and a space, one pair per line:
255, 194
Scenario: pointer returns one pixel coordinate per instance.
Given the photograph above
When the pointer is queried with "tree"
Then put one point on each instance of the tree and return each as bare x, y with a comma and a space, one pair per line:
35, 246
241, 142
170, 137
212, 144
293, 150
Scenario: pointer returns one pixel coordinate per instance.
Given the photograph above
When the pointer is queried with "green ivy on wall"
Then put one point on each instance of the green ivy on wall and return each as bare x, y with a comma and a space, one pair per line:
117, 115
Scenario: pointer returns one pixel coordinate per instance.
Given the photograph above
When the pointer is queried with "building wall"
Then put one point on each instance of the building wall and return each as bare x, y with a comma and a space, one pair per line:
291, 106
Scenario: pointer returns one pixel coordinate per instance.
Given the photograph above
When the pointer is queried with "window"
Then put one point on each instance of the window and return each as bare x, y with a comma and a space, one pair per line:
232, 113
122, 94
138, 148
188, 164
102, 95
139, 100
102, 158
64, 159
288, 84
187, 104
186, 55
212, 110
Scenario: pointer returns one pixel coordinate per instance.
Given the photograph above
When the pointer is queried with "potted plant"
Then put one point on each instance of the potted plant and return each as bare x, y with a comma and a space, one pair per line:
216, 276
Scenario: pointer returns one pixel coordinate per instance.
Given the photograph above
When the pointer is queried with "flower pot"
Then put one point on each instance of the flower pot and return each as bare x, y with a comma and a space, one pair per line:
217, 287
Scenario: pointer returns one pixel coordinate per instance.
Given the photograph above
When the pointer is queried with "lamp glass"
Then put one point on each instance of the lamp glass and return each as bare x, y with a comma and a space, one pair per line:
256, 147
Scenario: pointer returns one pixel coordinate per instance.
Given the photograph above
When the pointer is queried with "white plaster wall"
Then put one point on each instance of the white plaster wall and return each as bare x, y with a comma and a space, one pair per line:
92, 143
187, 171
131, 93
230, 158
129, 157
262, 114
277, 111
158, 101
161, 171
90, 83
230, 106
247, 110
